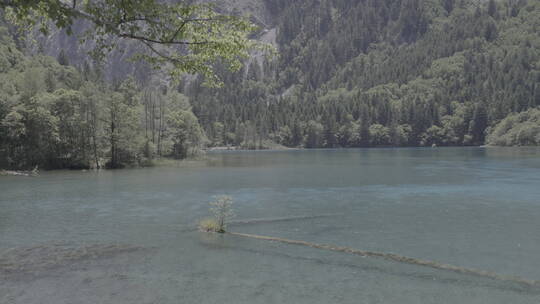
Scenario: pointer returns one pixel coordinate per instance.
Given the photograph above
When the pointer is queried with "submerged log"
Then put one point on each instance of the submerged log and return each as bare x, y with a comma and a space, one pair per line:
397, 258
279, 219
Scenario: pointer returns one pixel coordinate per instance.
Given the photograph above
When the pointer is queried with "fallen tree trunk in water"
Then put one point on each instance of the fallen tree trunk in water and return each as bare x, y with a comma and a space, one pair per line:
396, 258
34, 172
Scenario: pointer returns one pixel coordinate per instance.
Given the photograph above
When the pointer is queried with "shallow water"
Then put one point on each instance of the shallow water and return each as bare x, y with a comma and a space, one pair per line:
470, 207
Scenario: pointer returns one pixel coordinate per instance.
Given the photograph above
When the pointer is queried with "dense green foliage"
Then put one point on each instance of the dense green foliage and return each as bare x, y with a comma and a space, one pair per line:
53, 116
521, 129
381, 72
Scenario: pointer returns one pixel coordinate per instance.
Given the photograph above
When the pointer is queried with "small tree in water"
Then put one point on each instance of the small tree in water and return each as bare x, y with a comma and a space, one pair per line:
221, 208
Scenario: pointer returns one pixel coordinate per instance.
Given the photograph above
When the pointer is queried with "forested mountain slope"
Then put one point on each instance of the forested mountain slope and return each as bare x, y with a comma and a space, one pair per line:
381, 72
348, 74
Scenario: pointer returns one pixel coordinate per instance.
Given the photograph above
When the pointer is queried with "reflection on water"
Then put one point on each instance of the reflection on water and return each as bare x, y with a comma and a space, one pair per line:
472, 207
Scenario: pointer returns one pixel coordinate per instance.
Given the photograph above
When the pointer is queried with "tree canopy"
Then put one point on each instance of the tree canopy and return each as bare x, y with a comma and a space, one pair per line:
179, 37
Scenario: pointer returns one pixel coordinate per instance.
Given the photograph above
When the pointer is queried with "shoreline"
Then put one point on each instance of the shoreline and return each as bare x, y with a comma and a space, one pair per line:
188, 162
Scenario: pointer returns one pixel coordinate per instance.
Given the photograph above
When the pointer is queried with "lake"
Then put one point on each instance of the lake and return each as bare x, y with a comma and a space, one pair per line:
129, 236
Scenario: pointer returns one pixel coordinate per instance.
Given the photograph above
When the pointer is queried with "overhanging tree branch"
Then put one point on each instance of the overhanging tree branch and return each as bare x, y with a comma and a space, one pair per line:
193, 32
131, 36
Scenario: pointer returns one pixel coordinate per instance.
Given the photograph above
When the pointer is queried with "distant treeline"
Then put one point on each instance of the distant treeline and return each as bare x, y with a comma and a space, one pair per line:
382, 72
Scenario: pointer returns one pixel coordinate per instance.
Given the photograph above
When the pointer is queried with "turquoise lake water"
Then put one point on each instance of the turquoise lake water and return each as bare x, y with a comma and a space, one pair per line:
470, 207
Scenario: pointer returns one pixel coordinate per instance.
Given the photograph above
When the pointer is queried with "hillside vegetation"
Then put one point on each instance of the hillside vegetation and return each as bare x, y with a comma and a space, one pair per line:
519, 129
377, 73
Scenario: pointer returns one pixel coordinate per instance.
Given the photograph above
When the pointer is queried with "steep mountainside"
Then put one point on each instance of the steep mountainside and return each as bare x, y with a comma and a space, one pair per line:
372, 72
